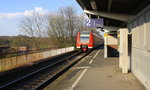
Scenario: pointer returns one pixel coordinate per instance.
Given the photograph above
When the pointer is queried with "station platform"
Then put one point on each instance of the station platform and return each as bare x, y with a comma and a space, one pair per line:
94, 72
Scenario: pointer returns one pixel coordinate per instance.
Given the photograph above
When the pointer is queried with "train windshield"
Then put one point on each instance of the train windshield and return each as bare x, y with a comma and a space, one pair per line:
84, 38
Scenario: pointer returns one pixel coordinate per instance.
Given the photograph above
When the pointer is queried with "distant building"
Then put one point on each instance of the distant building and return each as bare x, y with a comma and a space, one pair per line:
3, 49
22, 50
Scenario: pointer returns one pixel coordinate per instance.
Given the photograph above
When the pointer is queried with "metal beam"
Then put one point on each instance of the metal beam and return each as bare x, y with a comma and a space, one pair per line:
81, 4
116, 16
109, 5
93, 4
111, 28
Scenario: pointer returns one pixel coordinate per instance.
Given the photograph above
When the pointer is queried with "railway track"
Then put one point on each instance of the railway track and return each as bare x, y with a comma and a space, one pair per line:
41, 74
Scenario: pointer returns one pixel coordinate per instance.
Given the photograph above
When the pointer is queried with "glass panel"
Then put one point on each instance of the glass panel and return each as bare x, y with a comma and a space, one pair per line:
84, 39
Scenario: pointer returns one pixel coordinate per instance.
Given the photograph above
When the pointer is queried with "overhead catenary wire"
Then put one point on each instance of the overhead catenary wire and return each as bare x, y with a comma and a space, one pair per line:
72, 4
70, 1
63, 3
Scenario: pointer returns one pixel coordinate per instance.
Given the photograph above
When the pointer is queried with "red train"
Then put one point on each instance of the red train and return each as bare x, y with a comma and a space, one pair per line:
88, 39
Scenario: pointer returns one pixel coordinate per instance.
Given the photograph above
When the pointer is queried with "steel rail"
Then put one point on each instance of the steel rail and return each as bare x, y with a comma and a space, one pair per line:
35, 72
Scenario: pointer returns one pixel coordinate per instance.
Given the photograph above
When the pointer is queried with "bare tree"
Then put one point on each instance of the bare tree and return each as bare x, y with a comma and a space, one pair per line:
63, 24
79, 23
34, 26
26, 26
56, 29
70, 19
60, 27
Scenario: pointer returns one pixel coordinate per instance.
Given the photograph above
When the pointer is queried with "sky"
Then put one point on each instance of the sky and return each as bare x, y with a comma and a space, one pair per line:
11, 12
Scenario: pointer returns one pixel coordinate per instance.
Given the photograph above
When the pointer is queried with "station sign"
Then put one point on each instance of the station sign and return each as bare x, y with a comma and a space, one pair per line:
99, 22
92, 23
89, 23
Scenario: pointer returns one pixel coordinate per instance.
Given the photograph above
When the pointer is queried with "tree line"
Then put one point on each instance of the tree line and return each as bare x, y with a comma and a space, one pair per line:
58, 28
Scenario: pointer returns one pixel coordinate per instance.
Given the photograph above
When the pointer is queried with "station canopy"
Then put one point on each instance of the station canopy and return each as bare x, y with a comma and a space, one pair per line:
116, 13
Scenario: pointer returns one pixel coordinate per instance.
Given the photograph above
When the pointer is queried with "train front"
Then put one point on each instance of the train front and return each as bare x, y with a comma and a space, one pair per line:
84, 40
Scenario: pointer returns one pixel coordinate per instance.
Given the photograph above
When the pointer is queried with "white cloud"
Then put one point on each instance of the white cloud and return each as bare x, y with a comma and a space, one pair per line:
25, 13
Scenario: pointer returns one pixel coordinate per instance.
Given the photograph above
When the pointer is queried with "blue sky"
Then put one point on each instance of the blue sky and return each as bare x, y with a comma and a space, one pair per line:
12, 10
